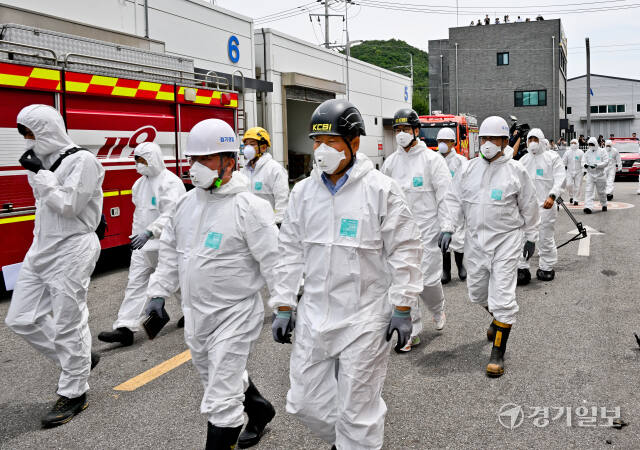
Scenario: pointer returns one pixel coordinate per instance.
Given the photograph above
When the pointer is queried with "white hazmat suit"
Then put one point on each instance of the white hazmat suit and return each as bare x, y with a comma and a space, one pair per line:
456, 163
220, 248
424, 178
360, 253
269, 180
497, 201
155, 195
596, 159
49, 303
572, 160
545, 168
615, 164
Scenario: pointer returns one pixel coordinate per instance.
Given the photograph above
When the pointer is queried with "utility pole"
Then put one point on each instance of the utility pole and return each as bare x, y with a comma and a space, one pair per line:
411, 66
588, 87
326, 23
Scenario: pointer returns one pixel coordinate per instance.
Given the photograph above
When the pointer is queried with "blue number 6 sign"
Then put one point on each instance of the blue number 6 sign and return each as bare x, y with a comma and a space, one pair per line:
233, 50
406, 93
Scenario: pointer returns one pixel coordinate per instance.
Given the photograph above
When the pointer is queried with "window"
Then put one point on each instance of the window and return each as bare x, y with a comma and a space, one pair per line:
561, 100
563, 62
638, 107
602, 109
611, 108
530, 98
503, 59
568, 109
620, 108
594, 110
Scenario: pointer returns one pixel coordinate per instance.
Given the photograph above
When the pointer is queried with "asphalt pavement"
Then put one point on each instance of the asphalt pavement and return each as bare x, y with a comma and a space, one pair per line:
572, 350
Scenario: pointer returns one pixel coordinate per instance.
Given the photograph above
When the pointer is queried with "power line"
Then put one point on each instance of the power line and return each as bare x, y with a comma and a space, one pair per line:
285, 11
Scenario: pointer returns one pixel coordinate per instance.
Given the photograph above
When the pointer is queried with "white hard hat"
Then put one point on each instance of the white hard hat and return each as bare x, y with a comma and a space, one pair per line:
494, 126
211, 136
446, 134
608, 143
536, 132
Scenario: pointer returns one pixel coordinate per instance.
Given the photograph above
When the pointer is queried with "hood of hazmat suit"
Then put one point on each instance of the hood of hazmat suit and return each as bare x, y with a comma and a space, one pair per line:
424, 178
547, 172
270, 181
56, 271
572, 158
220, 247
155, 195
598, 157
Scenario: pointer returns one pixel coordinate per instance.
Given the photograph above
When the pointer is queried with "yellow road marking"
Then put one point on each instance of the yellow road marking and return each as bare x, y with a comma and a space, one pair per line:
155, 372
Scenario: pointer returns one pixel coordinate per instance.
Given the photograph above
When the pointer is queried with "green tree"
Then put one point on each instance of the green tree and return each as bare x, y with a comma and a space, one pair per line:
393, 54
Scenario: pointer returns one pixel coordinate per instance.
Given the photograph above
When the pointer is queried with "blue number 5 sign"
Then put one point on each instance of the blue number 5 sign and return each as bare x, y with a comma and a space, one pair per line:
233, 50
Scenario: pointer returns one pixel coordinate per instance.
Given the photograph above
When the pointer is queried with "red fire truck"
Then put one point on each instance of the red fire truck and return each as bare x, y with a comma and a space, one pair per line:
465, 126
105, 112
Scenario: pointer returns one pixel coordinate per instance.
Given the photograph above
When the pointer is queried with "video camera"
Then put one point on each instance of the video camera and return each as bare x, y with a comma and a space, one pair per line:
523, 132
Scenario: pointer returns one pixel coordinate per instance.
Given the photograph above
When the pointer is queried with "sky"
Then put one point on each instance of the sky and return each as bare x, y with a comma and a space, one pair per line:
613, 27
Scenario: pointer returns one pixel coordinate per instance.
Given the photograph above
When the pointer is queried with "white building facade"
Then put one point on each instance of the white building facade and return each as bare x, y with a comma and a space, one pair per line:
615, 105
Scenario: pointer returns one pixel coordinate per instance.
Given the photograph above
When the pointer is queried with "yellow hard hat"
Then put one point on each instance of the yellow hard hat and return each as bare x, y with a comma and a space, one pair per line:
259, 134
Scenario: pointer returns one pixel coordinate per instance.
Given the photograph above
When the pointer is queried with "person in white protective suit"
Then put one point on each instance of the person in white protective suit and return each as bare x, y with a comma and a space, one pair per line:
49, 303
595, 160
446, 147
155, 195
545, 168
424, 178
615, 164
349, 229
572, 160
267, 178
496, 199
220, 247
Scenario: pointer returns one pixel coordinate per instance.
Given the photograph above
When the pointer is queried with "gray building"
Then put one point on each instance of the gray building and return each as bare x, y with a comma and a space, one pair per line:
506, 69
615, 105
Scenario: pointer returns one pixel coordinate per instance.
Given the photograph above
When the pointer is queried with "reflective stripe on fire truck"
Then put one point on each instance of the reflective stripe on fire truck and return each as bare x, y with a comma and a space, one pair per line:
208, 97
17, 219
120, 87
30, 77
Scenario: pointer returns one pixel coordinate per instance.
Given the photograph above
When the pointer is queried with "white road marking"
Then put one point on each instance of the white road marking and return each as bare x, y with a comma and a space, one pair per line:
584, 246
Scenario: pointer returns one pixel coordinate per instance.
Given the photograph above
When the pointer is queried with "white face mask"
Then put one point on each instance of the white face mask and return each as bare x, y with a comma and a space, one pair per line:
29, 144
404, 139
443, 148
201, 176
143, 169
249, 152
489, 150
534, 147
574, 146
328, 158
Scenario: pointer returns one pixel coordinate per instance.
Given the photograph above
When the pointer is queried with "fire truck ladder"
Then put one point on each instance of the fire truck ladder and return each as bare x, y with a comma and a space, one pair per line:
241, 112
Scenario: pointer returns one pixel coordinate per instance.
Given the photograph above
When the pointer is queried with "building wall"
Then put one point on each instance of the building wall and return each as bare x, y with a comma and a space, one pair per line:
190, 28
439, 75
484, 88
606, 91
375, 91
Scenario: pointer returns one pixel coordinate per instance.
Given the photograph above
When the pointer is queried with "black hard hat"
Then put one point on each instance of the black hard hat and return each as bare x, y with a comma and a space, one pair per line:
406, 116
337, 117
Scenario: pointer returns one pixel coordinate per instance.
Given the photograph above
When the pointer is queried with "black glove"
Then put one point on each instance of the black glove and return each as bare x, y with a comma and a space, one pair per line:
138, 241
400, 322
282, 326
586, 166
593, 167
156, 305
529, 248
30, 161
444, 240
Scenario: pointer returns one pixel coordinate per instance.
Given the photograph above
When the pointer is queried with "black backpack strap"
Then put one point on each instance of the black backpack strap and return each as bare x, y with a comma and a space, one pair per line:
69, 152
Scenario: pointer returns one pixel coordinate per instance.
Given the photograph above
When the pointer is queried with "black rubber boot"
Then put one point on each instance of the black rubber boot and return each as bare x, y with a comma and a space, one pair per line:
575, 203
95, 359
604, 209
260, 413
219, 438
587, 211
609, 197
491, 331
64, 410
495, 368
462, 272
545, 275
122, 335
524, 276
571, 200
180, 323
446, 268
